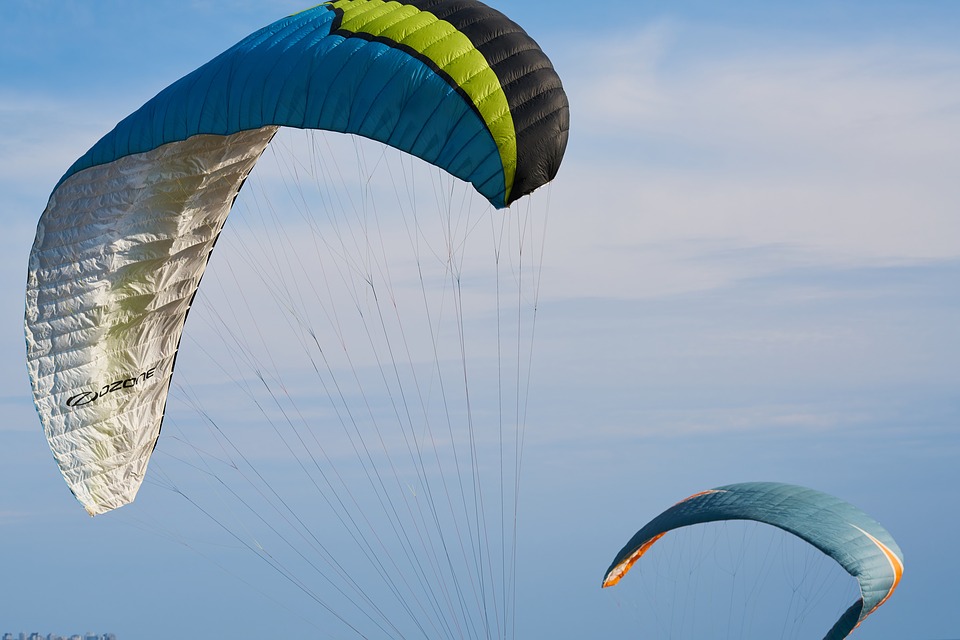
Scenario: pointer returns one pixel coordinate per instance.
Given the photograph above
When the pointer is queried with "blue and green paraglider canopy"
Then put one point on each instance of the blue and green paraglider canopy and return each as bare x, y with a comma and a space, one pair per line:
128, 230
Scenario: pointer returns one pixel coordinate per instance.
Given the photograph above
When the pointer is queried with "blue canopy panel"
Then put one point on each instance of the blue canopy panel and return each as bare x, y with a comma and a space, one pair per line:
295, 73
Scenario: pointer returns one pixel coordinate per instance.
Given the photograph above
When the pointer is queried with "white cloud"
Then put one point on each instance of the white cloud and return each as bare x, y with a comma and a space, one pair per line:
12, 516
844, 154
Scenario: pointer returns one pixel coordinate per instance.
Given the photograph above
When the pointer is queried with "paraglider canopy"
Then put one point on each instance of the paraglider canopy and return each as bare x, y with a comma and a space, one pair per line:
837, 528
127, 233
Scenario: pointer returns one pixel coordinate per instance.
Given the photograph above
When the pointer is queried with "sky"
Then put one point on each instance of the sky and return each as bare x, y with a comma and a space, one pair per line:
750, 272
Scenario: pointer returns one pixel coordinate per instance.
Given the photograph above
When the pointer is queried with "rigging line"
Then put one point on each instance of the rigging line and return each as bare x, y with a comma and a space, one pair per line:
416, 457
325, 556
498, 237
413, 239
813, 593
737, 562
261, 552
831, 579
317, 544
816, 576
330, 312
363, 514
363, 464
256, 365
364, 206
413, 560
766, 562
370, 524
480, 516
449, 265
486, 535
519, 339
409, 180
503, 569
517, 415
530, 213
271, 562
303, 211
384, 268
453, 443
270, 248
281, 230
353, 367
283, 160
455, 251
790, 606
155, 526
313, 334
376, 300
316, 463
468, 229
794, 585
412, 556
339, 193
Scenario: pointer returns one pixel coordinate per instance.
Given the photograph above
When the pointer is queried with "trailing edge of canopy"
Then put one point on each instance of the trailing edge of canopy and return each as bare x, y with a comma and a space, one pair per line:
840, 530
453, 82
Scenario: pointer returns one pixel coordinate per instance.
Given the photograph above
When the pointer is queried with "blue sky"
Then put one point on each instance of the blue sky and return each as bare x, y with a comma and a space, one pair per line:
751, 274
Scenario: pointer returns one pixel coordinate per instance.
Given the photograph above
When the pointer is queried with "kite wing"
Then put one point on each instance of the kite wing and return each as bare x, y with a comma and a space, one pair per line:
128, 230
845, 533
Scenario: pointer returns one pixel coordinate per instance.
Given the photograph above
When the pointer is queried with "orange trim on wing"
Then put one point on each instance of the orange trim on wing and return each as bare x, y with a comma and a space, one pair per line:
895, 564
701, 493
615, 574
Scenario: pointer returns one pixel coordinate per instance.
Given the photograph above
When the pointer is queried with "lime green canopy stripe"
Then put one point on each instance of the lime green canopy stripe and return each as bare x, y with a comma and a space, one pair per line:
451, 52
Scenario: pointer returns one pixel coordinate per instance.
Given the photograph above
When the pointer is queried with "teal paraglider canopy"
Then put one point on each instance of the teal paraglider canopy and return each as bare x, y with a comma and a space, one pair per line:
837, 528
